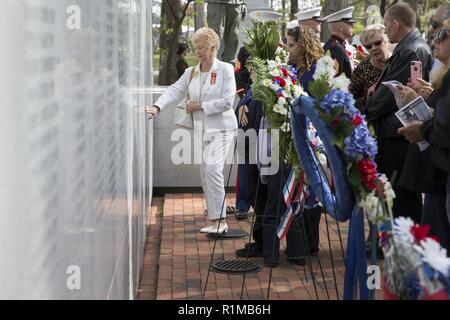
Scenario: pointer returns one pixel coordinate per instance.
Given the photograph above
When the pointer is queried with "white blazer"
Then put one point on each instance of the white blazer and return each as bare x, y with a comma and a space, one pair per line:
217, 97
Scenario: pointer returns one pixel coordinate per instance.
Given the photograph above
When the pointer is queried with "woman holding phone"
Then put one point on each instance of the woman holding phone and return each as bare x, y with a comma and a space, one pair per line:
436, 132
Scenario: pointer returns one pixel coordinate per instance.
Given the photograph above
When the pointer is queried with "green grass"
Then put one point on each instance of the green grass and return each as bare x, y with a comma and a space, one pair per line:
191, 60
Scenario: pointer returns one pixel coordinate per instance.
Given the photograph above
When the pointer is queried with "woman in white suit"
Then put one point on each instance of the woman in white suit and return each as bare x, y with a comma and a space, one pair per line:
212, 88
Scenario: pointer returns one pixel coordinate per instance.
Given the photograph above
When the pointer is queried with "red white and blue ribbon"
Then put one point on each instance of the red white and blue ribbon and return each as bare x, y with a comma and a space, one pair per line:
290, 199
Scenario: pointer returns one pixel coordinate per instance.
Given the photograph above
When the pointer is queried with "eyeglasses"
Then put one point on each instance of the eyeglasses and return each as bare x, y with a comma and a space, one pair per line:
441, 36
376, 44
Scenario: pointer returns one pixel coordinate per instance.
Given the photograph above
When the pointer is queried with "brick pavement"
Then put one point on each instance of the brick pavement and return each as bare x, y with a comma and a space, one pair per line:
177, 258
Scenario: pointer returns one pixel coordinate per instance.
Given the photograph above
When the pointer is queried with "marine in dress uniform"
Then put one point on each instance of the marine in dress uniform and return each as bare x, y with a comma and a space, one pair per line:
340, 24
310, 18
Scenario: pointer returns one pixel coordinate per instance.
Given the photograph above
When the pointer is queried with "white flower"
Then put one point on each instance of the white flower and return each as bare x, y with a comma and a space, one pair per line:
351, 49
298, 91
285, 127
275, 87
433, 254
272, 64
325, 67
388, 191
267, 82
371, 205
279, 50
340, 83
280, 109
281, 100
275, 72
402, 229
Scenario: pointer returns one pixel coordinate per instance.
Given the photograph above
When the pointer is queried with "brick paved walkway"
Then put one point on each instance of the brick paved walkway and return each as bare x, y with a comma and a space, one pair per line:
177, 258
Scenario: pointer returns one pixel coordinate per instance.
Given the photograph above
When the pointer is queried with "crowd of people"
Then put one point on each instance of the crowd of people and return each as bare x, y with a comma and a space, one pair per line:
420, 177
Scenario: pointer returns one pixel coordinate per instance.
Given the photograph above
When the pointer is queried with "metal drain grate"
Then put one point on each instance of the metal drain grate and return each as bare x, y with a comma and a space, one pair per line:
235, 266
230, 234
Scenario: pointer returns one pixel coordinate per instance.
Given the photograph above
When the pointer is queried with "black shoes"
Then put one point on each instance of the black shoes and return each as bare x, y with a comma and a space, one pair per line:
251, 251
297, 261
241, 214
271, 263
313, 252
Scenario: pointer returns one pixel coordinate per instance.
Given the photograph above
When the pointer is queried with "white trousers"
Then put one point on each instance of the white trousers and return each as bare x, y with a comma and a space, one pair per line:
212, 156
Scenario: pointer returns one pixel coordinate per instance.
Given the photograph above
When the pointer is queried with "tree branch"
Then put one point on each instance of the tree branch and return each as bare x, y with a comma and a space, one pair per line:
180, 21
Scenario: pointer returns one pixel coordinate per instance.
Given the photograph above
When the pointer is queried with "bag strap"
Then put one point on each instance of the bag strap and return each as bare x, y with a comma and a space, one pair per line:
190, 79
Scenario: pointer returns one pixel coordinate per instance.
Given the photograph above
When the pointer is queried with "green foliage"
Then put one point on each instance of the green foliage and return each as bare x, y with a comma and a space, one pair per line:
354, 177
262, 40
358, 27
319, 88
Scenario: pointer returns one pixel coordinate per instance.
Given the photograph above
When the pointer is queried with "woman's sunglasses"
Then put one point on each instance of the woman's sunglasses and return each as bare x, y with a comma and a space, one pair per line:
441, 36
376, 43
435, 24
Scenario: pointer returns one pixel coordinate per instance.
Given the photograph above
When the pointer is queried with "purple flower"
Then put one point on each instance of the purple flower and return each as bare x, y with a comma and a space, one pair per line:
360, 144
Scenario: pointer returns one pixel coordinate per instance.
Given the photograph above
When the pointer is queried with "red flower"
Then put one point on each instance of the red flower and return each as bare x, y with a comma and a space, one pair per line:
349, 54
357, 120
360, 49
280, 95
335, 122
420, 232
294, 81
285, 73
280, 81
384, 238
368, 173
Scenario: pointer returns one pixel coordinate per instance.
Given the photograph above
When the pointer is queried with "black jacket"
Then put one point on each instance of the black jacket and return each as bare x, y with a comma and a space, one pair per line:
381, 106
336, 46
437, 130
242, 74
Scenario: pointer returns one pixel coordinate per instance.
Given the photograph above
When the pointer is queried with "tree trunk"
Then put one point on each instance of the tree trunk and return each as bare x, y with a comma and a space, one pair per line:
294, 9
383, 7
199, 8
172, 15
283, 19
170, 10
331, 7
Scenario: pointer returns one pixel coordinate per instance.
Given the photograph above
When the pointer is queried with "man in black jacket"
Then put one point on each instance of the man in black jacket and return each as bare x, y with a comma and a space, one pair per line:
380, 110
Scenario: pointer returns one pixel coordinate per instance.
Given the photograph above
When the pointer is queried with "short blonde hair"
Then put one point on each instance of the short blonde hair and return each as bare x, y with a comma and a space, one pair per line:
208, 36
373, 30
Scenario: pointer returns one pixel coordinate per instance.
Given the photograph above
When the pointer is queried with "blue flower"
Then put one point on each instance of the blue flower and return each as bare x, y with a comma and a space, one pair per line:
339, 99
360, 143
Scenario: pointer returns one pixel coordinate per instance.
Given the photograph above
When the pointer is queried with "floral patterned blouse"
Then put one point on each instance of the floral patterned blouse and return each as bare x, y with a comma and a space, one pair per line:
364, 76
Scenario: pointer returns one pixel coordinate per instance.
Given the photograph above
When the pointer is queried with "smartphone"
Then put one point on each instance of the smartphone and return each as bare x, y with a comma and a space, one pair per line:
416, 72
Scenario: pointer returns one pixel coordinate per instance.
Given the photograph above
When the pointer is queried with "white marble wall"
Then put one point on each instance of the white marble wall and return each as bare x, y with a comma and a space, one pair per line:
75, 167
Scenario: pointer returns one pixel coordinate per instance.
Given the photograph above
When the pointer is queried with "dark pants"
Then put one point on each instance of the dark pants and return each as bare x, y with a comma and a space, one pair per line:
242, 197
312, 222
257, 195
434, 214
269, 208
390, 159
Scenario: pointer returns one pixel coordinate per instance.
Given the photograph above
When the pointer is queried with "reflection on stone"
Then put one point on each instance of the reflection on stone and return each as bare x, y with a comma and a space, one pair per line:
69, 185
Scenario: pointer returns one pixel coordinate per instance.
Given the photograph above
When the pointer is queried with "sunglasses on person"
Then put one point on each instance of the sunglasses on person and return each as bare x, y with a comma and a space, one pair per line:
376, 44
441, 36
435, 24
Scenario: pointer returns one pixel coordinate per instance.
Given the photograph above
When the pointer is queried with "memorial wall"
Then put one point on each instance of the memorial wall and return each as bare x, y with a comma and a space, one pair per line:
76, 150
